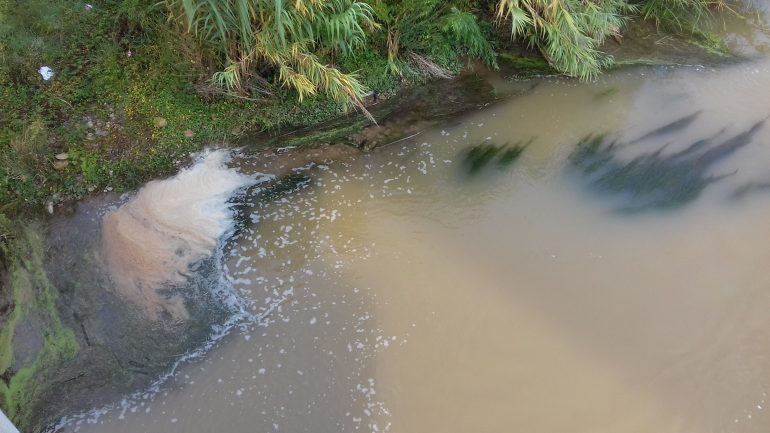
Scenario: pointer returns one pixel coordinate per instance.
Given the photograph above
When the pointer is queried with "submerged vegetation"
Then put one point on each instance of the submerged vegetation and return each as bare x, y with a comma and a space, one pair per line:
656, 180
481, 155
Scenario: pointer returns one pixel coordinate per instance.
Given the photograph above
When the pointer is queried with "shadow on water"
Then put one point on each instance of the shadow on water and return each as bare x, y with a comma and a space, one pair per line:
675, 126
480, 156
750, 188
654, 181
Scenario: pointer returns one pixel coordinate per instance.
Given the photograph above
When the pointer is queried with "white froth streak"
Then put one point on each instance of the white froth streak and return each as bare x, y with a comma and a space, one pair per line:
194, 202
169, 225
132, 401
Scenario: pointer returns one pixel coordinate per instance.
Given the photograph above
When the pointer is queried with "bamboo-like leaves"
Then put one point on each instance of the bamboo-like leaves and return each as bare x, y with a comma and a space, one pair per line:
680, 14
284, 35
463, 30
567, 32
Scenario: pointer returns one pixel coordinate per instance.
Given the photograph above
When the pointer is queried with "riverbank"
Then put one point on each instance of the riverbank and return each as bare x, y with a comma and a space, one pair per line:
129, 100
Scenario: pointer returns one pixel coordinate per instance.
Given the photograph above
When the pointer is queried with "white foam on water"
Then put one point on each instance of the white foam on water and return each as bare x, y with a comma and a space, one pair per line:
169, 225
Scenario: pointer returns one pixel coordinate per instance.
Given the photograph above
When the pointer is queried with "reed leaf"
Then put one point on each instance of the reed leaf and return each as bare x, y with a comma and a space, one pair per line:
257, 35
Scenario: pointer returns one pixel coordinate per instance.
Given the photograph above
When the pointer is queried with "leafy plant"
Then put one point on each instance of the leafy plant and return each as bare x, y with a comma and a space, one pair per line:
258, 38
422, 33
680, 14
567, 32
462, 29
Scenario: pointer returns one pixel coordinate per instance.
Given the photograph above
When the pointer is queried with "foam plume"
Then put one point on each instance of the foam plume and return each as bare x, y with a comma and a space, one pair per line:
151, 241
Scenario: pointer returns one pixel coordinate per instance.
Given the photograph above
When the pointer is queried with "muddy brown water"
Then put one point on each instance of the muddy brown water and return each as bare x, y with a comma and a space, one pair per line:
396, 291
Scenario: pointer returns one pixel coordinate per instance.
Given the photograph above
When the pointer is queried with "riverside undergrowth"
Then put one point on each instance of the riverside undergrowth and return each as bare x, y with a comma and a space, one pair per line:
138, 85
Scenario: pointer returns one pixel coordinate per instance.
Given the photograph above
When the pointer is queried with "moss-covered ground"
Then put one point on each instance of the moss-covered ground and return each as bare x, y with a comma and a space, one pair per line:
32, 295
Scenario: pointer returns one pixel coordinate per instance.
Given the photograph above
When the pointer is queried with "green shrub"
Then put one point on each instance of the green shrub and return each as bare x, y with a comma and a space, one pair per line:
680, 15
567, 32
253, 38
429, 35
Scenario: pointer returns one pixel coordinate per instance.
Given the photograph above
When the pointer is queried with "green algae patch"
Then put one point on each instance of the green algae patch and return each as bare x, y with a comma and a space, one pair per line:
23, 367
525, 66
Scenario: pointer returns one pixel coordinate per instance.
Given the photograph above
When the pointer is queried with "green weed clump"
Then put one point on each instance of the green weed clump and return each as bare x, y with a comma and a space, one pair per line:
481, 155
569, 33
426, 36
248, 36
688, 15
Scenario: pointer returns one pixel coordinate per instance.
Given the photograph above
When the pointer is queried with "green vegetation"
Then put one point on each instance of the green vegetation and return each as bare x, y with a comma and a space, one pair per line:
680, 14
481, 155
139, 84
34, 298
246, 35
568, 32
525, 66
425, 37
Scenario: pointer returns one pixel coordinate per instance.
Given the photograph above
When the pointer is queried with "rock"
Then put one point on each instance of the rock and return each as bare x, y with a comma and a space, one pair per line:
60, 165
161, 122
188, 133
62, 156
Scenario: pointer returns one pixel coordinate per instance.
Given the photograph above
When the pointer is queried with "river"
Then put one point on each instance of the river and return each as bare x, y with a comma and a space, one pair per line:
420, 288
